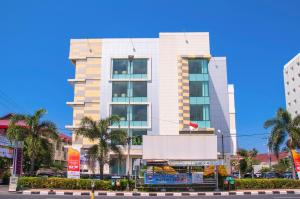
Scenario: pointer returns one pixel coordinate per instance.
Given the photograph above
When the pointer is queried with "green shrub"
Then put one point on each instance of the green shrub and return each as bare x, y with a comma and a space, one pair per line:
276, 183
62, 183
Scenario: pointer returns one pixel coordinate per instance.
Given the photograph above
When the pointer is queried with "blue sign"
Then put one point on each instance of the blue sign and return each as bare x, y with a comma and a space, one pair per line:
158, 178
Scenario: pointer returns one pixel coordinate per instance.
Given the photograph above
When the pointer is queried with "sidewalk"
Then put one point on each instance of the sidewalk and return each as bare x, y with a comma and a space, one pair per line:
112, 193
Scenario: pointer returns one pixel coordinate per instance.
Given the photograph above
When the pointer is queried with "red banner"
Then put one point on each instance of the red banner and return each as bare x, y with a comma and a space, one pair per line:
296, 157
73, 162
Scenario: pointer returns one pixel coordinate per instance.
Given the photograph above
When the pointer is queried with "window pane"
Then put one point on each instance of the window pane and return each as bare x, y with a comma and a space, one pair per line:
139, 66
199, 112
139, 89
137, 137
139, 113
117, 166
198, 88
198, 66
119, 89
120, 66
119, 110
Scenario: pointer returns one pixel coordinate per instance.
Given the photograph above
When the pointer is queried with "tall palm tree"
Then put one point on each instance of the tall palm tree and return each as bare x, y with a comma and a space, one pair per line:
36, 135
107, 140
285, 131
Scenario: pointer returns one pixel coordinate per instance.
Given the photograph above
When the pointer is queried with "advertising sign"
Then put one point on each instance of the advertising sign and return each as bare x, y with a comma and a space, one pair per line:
197, 177
296, 157
6, 152
159, 178
74, 162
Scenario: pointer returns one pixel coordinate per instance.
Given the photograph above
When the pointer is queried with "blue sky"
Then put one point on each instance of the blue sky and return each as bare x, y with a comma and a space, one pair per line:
258, 37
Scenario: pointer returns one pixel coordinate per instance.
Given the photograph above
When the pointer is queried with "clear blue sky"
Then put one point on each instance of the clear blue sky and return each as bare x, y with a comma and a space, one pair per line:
258, 37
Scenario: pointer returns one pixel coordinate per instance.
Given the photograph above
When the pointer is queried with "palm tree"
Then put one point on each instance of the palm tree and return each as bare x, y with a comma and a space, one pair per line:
107, 140
285, 131
36, 135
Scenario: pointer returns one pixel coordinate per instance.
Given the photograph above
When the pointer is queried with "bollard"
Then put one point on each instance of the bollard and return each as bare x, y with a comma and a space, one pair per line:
93, 190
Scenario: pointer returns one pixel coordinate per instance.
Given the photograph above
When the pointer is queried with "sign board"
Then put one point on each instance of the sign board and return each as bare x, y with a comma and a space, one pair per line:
197, 178
74, 162
13, 182
296, 157
195, 162
6, 152
180, 147
179, 178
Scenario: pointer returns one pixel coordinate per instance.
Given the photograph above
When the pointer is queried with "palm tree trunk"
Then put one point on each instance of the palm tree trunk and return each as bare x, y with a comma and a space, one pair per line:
32, 161
293, 164
101, 168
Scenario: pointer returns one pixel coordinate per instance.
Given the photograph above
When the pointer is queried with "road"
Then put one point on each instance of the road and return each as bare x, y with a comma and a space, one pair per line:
19, 196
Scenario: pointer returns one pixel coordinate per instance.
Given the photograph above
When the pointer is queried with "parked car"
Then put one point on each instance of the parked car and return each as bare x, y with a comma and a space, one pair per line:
270, 175
288, 175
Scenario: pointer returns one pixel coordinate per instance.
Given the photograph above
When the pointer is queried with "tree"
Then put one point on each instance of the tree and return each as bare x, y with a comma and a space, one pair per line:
246, 164
282, 166
107, 140
285, 131
36, 135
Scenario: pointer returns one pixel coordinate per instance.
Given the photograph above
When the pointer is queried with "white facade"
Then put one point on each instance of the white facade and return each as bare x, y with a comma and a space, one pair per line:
291, 73
167, 111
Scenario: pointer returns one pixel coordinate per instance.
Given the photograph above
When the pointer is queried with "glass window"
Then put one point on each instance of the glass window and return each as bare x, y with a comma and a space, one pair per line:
198, 88
119, 89
139, 89
198, 66
117, 166
199, 112
139, 66
119, 110
137, 136
120, 66
139, 113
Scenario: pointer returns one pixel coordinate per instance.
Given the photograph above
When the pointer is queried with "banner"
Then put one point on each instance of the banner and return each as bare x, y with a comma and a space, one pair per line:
6, 152
296, 157
74, 162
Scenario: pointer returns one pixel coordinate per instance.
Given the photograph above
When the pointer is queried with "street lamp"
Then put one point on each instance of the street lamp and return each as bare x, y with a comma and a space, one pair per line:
130, 59
222, 137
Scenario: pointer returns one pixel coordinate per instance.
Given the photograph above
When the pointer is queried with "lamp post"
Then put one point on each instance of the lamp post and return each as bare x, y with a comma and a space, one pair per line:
130, 59
222, 137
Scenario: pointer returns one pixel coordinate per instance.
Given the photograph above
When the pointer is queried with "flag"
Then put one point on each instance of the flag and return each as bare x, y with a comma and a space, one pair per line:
193, 125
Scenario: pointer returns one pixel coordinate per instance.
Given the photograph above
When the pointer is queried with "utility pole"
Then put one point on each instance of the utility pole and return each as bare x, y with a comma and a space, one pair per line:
130, 68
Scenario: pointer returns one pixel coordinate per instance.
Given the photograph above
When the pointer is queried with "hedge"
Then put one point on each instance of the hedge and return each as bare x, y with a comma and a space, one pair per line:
65, 183
276, 183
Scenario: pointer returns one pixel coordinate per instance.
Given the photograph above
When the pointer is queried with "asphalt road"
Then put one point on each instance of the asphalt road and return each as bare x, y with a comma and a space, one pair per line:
19, 196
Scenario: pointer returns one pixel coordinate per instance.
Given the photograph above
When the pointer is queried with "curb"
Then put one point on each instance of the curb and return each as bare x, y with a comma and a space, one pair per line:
85, 193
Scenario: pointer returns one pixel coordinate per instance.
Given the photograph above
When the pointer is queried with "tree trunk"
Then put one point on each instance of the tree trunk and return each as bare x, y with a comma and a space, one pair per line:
293, 164
32, 161
101, 168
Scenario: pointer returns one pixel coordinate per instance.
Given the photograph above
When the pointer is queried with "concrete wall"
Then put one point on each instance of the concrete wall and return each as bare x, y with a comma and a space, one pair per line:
172, 46
219, 102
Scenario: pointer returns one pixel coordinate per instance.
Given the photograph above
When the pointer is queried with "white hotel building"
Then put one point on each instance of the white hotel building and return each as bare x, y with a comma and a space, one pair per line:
157, 86
291, 73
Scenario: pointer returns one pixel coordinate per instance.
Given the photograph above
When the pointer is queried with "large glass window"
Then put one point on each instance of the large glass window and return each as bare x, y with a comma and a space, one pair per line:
139, 66
117, 166
139, 89
198, 66
139, 113
199, 112
119, 110
198, 88
119, 89
120, 66
137, 136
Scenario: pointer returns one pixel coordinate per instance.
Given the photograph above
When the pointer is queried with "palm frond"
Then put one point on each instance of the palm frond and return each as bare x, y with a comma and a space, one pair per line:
88, 128
48, 129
